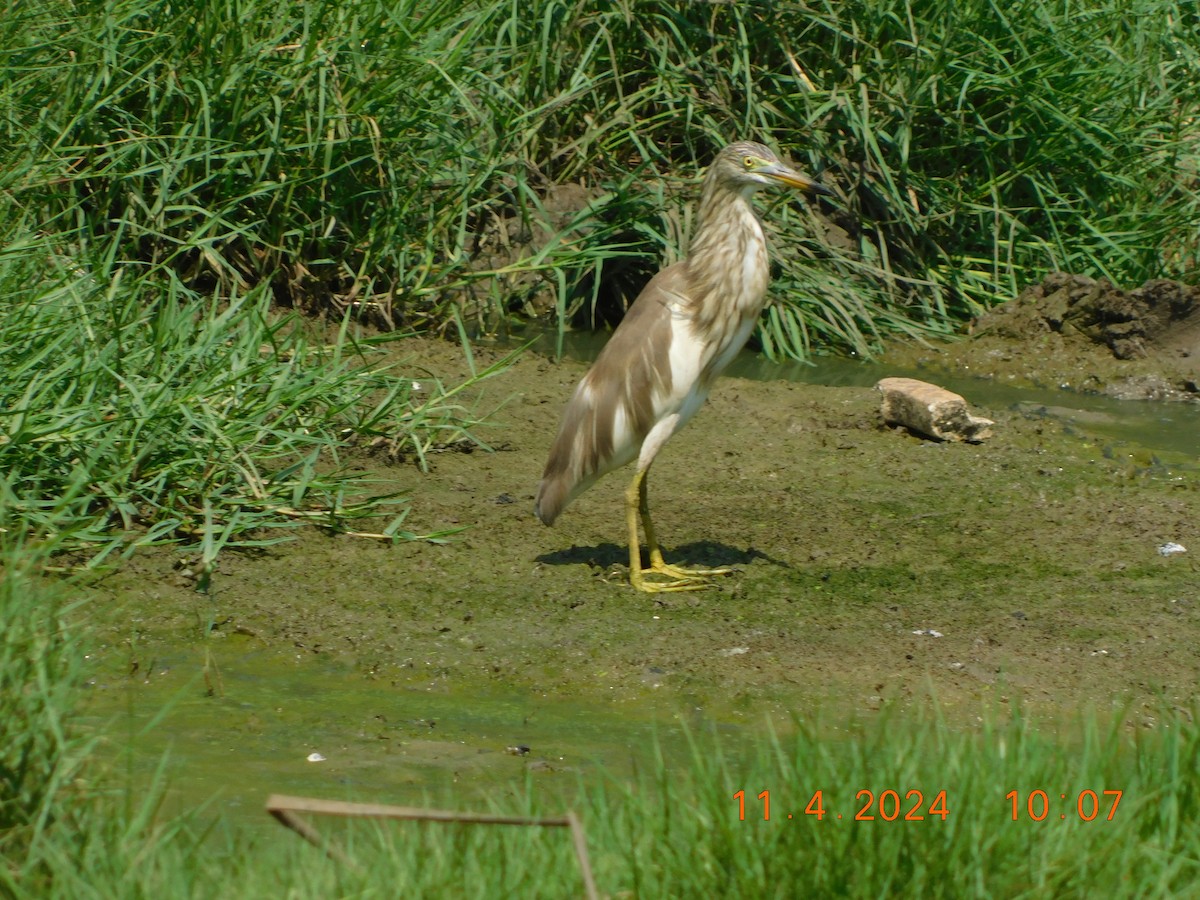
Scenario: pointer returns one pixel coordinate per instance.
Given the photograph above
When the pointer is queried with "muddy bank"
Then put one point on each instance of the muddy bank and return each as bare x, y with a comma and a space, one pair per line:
1082, 334
872, 566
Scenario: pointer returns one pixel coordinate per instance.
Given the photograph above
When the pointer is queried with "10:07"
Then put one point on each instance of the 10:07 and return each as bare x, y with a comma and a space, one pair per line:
1038, 805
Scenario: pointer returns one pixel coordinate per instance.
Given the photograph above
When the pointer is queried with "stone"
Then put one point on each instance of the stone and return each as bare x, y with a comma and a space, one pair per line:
930, 410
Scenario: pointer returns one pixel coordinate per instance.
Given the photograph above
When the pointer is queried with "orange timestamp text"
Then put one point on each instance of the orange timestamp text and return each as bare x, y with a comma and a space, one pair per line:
1087, 805
886, 805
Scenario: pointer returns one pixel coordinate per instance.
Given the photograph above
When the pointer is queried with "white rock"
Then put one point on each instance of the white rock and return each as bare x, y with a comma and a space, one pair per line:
931, 410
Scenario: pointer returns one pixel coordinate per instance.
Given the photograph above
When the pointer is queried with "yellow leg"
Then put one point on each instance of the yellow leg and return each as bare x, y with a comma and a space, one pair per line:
657, 563
637, 506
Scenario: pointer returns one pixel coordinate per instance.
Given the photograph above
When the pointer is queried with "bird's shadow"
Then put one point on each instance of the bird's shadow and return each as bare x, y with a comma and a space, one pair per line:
698, 553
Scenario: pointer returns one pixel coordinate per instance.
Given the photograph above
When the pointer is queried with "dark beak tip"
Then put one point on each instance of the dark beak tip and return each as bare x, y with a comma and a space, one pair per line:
806, 184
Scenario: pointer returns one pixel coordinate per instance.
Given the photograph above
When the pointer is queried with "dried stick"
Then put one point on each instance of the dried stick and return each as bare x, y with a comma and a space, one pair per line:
283, 807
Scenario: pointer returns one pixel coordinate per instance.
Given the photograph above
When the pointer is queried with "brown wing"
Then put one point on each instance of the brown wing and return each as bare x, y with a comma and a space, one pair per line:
612, 409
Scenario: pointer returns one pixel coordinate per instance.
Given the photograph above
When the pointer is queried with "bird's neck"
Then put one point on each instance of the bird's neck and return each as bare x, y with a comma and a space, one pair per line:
727, 261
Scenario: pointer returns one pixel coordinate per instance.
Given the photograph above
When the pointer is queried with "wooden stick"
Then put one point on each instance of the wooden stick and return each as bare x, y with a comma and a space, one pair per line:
285, 817
283, 807
581, 853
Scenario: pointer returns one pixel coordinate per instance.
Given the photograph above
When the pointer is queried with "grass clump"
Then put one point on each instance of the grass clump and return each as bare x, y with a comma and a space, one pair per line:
682, 836
133, 418
168, 175
973, 148
236, 143
39, 690
407, 160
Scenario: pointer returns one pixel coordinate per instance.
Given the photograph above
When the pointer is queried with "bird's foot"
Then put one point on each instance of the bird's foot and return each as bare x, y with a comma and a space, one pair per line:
682, 579
663, 568
640, 582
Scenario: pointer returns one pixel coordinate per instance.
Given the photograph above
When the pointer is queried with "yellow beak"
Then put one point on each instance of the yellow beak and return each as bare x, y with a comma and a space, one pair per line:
792, 178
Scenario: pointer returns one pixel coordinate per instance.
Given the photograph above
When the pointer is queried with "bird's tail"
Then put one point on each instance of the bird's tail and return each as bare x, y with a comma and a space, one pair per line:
551, 500
561, 478
581, 453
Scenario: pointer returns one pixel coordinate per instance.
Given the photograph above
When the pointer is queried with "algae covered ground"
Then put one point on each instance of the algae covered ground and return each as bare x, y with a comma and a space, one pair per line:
874, 570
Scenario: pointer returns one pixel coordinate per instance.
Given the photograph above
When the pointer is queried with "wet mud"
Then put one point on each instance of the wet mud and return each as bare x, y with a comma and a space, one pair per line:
873, 569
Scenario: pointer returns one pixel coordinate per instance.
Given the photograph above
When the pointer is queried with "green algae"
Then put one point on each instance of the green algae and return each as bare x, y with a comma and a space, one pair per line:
418, 668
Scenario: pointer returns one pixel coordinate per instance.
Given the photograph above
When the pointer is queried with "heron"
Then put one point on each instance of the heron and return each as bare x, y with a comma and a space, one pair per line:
657, 369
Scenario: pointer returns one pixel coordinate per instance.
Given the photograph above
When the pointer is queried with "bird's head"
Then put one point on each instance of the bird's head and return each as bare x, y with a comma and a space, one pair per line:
746, 166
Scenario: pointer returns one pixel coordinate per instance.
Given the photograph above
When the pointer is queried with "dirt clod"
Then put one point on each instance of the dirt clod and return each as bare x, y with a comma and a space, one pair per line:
1160, 317
1083, 334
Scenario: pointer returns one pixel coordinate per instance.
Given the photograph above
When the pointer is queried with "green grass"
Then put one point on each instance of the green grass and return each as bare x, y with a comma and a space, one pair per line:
171, 174
133, 418
396, 159
692, 824
39, 672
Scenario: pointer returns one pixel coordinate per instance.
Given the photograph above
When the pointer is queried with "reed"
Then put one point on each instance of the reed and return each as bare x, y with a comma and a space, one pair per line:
395, 159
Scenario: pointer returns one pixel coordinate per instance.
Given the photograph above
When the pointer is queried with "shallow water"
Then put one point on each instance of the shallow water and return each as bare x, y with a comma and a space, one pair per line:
1167, 426
1171, 427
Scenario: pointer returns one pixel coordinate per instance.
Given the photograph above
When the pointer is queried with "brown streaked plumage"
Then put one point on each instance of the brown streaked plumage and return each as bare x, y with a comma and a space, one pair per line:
657, 369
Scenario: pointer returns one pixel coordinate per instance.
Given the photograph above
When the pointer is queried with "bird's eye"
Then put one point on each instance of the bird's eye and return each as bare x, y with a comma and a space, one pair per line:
748, 162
